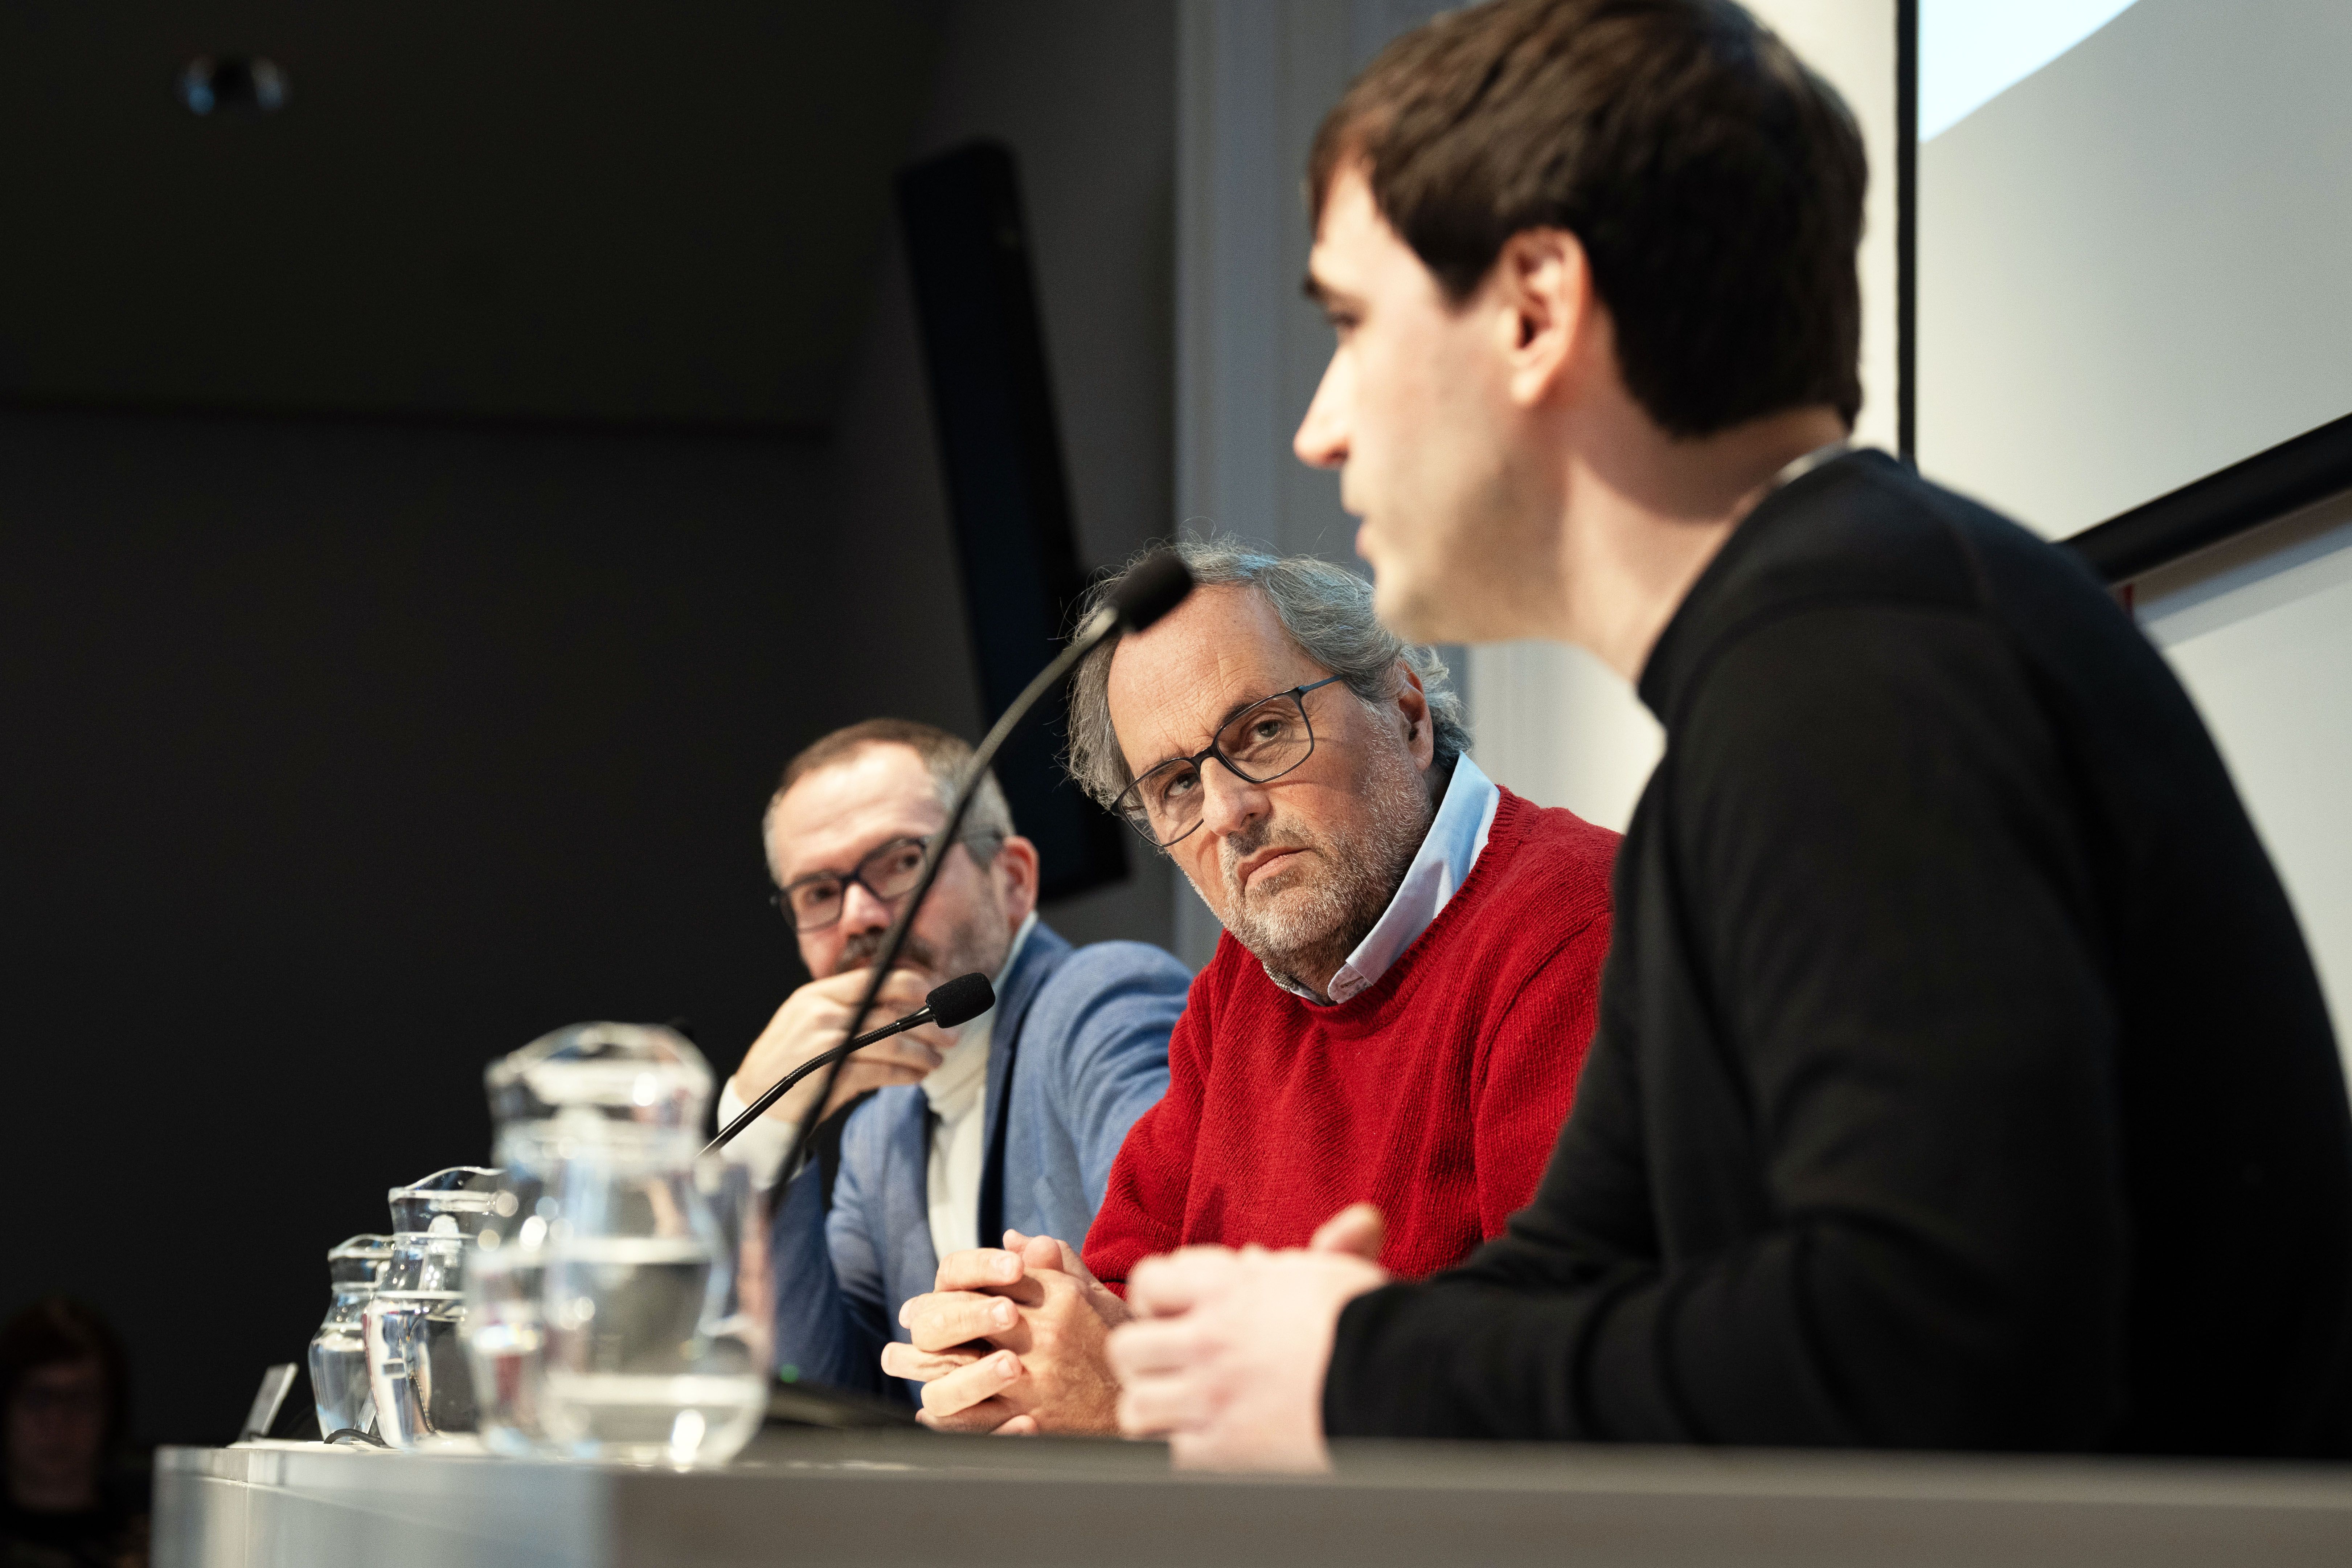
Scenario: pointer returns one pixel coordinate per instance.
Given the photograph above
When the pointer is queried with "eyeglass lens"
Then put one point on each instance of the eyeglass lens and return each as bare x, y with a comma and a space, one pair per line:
889, 873
1261, 744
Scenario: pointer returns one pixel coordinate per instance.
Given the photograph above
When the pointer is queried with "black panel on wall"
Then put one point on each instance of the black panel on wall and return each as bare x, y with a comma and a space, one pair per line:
1000, 447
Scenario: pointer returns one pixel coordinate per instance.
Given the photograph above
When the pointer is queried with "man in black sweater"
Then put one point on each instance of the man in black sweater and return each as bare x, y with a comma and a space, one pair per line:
1962, 1081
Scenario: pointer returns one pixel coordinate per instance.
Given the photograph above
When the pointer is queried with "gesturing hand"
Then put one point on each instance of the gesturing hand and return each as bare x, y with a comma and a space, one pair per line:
813, 1019
1012, 1341
1227, 1350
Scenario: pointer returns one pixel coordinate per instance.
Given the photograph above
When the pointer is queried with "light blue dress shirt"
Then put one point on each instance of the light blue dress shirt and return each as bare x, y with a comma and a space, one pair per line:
1456, 837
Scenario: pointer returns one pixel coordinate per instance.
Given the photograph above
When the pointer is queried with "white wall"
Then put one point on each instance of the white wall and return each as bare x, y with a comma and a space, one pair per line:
2132, 262
2260, 630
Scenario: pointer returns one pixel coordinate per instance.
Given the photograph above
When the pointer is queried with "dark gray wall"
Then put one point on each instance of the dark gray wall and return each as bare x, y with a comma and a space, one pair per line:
345, 755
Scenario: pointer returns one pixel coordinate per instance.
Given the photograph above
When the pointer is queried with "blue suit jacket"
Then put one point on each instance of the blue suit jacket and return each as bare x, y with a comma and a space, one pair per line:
1079, 1049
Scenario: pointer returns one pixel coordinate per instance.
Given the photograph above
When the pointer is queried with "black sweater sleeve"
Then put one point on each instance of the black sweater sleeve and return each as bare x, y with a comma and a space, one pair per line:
1859, 917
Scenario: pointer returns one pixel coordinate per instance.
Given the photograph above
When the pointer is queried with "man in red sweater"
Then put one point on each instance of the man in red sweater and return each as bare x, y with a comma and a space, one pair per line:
1396, 1014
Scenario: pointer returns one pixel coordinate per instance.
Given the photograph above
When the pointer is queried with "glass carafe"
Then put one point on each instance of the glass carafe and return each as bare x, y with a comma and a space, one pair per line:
339, 1361
504, 1279
416, 1365
644, 1351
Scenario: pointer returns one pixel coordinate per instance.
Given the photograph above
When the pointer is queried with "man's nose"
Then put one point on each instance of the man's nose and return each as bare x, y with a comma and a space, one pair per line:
861, 911
1229, 802
1322, 438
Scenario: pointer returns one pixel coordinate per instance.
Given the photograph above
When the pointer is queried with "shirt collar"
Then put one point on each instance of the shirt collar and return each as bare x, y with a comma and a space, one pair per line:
1456, 837
953, 1086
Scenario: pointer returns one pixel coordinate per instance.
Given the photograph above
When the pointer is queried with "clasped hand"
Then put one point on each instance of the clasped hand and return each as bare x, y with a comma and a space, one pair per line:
1226, 1351
1011, 1340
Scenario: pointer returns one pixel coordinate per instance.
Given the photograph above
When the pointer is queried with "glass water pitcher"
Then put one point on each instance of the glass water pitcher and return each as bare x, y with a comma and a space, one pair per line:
503, 1335
642, 1348
339, 1361
417, 1365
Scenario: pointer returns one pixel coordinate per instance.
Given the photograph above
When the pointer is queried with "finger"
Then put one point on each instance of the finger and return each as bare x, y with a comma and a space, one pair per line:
899, 1050
983, 1417
979, 1268
900, 1360
957, 1319
843, 989
1154, 1349
966, 1386
1358, 1228
1176, 1281
1165, 1404
1076, 1265
1034, 1251
903, 992
1019, 1427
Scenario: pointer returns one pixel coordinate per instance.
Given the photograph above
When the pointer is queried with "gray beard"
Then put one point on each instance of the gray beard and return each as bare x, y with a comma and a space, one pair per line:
1301, 931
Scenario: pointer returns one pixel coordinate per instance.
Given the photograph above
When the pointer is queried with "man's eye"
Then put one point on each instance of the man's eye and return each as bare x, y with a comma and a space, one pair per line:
815, 895
906, 859
1181, 785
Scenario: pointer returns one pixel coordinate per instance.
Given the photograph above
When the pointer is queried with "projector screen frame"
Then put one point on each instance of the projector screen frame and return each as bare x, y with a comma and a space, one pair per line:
2223, 504
2204, 512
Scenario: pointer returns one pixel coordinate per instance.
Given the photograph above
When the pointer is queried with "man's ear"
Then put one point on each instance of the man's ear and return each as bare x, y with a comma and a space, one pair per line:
1015, 873
1412, 707
1543, 294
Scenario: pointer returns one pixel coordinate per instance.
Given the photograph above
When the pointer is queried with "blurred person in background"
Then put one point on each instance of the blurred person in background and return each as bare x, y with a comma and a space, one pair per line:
942, 1135
70, 1501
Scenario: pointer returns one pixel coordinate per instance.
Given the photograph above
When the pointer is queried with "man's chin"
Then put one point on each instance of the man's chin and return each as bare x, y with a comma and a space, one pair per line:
1406, 606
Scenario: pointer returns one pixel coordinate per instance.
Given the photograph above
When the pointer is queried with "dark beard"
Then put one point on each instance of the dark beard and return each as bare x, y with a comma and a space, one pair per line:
969, 948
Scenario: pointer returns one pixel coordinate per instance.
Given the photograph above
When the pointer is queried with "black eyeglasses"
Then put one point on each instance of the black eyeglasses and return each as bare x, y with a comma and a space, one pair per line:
1259, 744
814, 902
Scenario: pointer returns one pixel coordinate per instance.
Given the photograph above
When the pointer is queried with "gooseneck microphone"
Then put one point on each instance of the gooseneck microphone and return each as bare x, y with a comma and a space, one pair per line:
957, 1002
1156, 585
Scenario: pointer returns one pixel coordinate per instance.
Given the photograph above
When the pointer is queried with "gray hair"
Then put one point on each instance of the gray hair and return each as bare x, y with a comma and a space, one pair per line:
1328, 612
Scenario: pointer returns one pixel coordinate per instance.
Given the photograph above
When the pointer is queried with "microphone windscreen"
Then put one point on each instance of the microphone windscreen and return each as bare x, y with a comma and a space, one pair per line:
960, 1000
1156, 585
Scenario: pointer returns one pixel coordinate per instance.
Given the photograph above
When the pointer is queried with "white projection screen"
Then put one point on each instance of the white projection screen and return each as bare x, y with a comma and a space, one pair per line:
2134, 262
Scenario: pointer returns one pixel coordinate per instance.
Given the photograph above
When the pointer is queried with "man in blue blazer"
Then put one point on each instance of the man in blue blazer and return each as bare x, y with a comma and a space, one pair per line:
950, 1136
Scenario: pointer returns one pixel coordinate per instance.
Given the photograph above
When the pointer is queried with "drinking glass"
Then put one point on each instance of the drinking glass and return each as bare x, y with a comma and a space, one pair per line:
416, 1365
339, 1361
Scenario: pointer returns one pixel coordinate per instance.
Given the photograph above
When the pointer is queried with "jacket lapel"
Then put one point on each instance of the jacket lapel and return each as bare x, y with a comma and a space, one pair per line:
1041, 955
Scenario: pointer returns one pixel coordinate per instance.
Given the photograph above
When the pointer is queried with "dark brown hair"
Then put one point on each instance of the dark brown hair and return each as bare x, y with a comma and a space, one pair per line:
1715, 182
986, 826
57, 1331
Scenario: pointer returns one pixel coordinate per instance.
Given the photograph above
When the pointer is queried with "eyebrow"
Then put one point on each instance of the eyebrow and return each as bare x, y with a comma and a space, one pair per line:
1232, 713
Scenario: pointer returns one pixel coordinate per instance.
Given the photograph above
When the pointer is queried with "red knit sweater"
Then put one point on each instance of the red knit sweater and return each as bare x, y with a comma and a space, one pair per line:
1436, 1093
